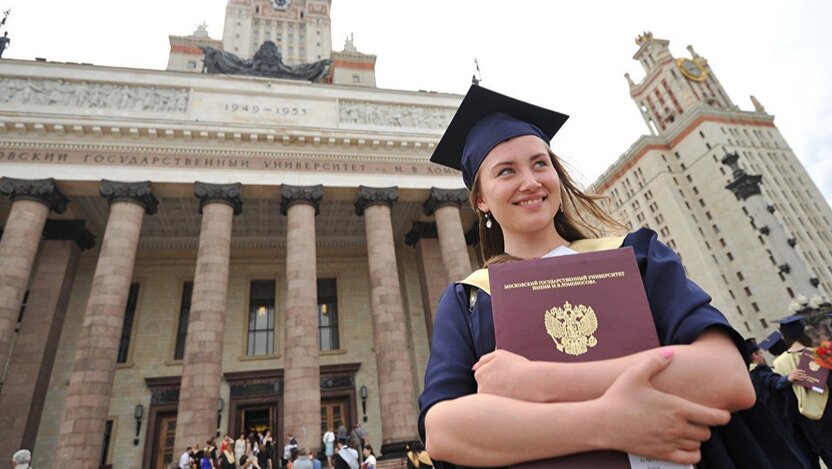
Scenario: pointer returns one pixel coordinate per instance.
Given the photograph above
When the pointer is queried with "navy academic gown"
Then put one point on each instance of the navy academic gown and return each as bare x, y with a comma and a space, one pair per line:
681, 311
765, 426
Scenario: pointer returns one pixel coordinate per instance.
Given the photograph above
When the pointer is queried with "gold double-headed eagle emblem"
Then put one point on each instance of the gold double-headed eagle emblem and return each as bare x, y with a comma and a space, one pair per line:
571, 327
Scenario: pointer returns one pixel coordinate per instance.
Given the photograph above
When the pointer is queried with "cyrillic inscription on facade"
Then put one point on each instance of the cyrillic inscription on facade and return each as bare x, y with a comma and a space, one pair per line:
253, 163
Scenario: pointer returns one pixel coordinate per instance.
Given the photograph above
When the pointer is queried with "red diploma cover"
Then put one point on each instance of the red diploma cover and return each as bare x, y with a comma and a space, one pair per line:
816, 375
574, 308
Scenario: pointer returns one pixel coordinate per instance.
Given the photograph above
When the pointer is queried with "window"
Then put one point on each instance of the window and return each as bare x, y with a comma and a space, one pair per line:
184, 315
192, 65
739, 276
328, 314
261, 318
356, 78
105, 447
127, 328
730, 256
23, 307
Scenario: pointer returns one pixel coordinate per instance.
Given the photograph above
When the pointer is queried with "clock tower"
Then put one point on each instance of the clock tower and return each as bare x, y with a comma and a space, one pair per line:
721, 186
672, 86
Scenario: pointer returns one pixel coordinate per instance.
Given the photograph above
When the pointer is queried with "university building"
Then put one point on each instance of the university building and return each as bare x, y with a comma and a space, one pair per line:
724, 189
186, 253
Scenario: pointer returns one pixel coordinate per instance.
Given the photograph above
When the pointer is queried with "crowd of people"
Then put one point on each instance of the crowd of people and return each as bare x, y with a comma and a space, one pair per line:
253, 451
793, 423
257, 451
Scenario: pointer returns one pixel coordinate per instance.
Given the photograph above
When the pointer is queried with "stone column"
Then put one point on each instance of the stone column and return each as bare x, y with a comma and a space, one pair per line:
199, 391
395, 374
30, 365
81, 431
433, 276
302, 369
31, 202
445, 204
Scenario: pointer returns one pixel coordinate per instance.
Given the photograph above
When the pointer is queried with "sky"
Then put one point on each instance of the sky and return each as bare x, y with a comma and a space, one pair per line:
565, 55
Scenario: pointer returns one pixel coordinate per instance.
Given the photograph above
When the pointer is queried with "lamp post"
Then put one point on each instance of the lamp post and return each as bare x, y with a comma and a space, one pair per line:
363, 393
220, 404
138, 413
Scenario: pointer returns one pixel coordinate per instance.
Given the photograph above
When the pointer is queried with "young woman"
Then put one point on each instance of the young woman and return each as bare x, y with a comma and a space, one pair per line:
369, 458
658, 403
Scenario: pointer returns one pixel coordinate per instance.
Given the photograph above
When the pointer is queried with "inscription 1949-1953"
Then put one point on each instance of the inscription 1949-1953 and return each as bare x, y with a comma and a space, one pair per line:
273, 109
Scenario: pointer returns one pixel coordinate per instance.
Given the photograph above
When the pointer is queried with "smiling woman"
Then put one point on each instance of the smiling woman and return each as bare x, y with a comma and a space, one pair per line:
657, 403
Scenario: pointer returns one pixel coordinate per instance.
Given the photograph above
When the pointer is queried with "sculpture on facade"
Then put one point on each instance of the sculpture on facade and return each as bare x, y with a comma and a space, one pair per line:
4, 40
267, 62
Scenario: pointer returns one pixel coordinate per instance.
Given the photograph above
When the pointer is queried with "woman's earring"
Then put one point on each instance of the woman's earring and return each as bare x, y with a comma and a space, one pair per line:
487, 220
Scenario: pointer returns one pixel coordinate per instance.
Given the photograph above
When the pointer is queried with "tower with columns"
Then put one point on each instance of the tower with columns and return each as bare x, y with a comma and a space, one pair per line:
723, 188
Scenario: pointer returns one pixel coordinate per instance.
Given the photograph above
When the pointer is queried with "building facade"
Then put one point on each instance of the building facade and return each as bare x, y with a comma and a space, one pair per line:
210, 254
724, 189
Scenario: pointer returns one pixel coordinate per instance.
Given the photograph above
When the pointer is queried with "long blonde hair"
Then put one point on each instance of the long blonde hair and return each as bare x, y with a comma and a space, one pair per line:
580, 216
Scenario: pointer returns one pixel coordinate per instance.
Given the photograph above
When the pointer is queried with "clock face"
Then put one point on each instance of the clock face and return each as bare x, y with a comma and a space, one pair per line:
280, 4
691, 70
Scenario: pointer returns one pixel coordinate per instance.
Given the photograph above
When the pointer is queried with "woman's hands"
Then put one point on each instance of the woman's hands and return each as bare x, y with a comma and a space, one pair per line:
636, 417
506, 374
645, 421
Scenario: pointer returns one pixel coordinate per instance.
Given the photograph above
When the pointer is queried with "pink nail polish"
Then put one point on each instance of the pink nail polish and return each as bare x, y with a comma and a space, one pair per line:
667, 353
476, 365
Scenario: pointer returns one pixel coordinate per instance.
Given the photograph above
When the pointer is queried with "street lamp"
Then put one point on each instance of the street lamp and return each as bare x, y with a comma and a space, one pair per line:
363, 393
138, 413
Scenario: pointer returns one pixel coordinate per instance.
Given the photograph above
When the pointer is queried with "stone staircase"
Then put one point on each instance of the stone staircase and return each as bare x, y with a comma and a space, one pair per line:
400, 463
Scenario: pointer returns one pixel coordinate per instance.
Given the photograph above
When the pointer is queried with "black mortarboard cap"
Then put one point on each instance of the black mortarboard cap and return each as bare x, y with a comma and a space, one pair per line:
484, 120
791, 326
751, 346
770, 340
790, 319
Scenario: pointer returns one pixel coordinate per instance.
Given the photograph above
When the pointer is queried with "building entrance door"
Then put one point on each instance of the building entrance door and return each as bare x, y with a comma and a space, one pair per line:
258, 419
165, 433
334, 414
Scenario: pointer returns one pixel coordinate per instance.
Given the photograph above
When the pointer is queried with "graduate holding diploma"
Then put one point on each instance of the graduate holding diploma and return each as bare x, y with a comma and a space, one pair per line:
487, 408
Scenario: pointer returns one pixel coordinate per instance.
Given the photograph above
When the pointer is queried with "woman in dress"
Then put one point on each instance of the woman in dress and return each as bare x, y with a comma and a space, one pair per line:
329, 445
657, 403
